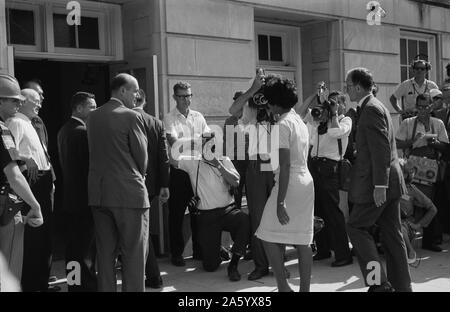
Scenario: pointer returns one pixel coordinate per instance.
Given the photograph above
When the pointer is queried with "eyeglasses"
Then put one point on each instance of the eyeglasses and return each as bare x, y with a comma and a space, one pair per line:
187, 96
421, 107
420, 68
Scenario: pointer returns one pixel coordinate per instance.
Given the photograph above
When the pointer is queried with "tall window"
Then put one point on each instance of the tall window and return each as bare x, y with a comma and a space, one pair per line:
412, 45
270, 48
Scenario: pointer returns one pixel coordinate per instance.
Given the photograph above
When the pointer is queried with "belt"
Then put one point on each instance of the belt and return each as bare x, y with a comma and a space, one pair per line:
200, 211
324, 159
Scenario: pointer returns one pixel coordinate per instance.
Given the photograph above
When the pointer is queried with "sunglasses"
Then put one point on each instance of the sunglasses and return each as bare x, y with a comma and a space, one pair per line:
421, 107
420, 68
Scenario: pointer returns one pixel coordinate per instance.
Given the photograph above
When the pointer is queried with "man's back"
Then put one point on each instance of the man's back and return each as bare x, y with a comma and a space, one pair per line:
377, 160
74, 159
117, 157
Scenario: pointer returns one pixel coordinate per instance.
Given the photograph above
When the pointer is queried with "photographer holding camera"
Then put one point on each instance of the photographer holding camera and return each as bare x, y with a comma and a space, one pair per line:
329, 132
213, 204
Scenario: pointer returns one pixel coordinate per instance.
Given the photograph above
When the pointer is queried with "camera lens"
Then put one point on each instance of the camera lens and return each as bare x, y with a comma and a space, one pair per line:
316, 112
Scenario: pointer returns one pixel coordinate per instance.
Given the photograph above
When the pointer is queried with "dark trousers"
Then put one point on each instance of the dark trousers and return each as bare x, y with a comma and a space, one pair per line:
361, 221
432, 234
241, 167
121, 231
258, 187
326, 205
80, 247
210, 226
180, 193
151, 264
37, 244
443, 199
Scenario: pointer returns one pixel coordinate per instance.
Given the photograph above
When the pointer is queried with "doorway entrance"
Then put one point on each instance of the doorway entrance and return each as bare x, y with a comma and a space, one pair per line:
60, 80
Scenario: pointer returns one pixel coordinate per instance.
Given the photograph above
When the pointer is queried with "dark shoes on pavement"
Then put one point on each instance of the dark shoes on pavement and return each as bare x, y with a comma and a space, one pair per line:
257, 274
385, 287
154, 282
340, 263
233, 273
178, 261
432, 247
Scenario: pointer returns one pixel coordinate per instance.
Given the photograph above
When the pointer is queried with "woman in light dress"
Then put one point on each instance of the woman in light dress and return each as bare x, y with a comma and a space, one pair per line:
288, 215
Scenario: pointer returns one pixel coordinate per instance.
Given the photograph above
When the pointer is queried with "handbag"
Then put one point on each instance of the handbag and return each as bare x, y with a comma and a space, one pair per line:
344, 169
10, 205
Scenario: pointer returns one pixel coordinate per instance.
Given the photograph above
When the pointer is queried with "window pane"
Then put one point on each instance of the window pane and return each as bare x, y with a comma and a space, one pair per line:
21, 25
412, 49
404, 73
276, 53
263, 47
423, 49
64, 34
88, 33
403, 56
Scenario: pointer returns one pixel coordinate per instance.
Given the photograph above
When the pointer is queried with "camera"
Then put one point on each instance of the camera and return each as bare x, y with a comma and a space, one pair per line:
192, 205
321, 109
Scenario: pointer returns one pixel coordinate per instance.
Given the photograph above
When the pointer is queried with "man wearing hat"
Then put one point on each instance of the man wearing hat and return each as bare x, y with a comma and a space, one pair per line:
11, 234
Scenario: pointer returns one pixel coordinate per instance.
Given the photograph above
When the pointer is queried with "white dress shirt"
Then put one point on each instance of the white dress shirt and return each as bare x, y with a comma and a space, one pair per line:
27, 140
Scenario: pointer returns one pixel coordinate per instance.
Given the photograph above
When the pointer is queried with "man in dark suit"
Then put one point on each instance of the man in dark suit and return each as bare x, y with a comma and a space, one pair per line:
74, 159
376, 187
157, 181
117, 191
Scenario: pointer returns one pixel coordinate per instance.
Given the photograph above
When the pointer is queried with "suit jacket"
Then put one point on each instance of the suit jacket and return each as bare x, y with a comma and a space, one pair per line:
158, 159
117, 157
376, 159
73, 153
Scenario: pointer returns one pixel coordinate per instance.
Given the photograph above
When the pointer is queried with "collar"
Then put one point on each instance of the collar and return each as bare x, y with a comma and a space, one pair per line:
22, 116
361, 102
117, 100
415, 82
80, 120
179, 113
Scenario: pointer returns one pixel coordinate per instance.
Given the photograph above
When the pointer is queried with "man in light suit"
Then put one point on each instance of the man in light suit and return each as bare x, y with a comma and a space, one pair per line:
376, 187
157, 181
73, 153
117, 191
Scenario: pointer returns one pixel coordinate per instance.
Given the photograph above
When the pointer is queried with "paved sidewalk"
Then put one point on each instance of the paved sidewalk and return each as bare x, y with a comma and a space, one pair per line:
432, 275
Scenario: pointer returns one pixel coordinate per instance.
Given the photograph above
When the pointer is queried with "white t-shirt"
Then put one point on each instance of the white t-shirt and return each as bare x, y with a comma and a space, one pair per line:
212, 187
409, 90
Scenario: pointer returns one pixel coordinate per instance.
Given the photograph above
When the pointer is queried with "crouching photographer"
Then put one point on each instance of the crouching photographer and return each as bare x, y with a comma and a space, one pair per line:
329, 134
212, 179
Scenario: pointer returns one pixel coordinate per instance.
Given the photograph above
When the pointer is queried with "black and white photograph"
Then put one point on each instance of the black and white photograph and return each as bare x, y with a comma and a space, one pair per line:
224, 146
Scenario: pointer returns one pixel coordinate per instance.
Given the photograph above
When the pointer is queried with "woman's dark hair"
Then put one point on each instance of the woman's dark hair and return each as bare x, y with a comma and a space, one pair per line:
361, 76
280, 92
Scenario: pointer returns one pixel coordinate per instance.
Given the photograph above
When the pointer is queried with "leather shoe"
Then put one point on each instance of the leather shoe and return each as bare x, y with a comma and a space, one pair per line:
319, 256
432, 247
341, 263
178, 261
233, 273
385, 287
154, 282
257, 274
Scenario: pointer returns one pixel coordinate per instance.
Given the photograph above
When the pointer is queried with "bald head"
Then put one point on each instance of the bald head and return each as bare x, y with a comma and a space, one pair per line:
125, 88
30, 107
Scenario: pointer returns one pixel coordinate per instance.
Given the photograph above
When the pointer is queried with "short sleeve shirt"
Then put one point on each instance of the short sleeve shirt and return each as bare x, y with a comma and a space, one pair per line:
211, 187
179, 126
408, 91
8, 150
405, 132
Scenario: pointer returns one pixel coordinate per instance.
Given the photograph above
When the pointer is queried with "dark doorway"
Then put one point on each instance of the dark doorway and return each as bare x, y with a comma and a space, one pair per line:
60, 80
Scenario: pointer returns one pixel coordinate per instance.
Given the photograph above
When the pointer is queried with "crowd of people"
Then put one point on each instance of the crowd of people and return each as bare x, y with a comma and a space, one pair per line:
285, 155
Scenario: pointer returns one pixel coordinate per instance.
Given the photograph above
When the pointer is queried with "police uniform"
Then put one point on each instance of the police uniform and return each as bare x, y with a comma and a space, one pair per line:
11, 235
